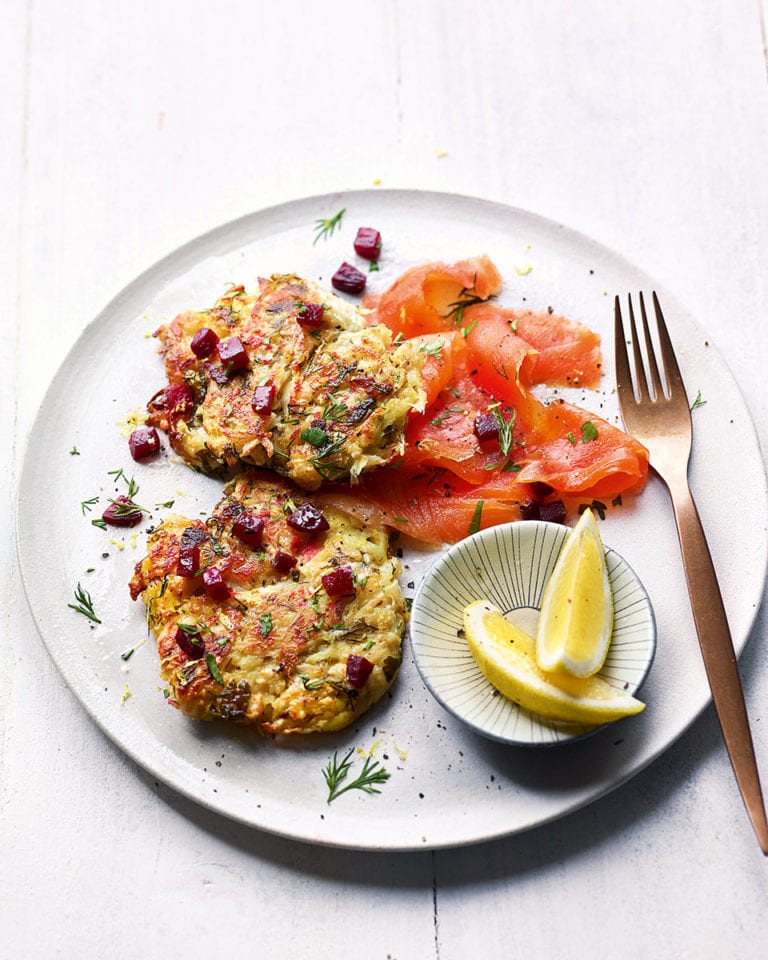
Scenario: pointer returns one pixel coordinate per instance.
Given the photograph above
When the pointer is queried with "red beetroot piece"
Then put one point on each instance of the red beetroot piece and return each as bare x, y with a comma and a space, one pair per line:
189, 552
190, 644
232, 354
122, 512
348, 279
311, 314
143, 443
358, 670
175, 400
249, 529
262, 399
486, 427
368, 243
339, 582
553, 512
308, 519
215, 585
203, 343
283, 562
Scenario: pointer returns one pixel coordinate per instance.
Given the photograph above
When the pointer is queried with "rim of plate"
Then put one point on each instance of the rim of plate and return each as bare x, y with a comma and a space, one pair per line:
509, 564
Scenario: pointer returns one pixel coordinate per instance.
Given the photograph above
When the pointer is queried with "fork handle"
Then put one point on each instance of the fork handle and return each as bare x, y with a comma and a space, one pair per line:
718, 654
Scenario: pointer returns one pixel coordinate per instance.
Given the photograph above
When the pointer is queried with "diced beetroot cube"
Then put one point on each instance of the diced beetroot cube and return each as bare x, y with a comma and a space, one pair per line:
215, 585
358, 670
232, 354
348, 279
283, 562
122, 512
204, 342
553, 512
262, 399
143, 443
486, 427
175, 400
191, 644
368, 243
249, 529
308, 519
189, 551
339, 582
189, 561
311, 314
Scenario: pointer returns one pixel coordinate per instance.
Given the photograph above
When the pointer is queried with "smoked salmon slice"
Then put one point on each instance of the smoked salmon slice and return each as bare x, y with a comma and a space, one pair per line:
482, 359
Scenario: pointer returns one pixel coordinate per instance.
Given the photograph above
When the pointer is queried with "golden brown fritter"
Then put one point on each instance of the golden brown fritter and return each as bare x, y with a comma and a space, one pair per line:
272, 612
304, 386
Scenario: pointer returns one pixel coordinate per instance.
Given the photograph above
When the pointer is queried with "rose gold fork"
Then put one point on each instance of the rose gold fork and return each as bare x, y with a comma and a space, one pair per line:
660, 418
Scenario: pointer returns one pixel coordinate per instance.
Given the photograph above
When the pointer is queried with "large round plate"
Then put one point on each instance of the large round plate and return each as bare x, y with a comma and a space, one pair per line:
442, 773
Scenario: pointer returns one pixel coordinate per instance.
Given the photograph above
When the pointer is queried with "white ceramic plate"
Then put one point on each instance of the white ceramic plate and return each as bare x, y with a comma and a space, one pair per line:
441, 772
509, 565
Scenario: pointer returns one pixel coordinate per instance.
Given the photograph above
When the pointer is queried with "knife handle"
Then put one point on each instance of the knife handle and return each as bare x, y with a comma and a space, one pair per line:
719, 656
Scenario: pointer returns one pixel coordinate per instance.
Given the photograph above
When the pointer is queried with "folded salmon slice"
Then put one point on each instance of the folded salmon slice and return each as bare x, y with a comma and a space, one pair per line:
483, 359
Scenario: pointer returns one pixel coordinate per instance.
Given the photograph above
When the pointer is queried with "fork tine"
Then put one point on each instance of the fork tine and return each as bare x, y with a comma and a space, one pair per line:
653, 367
642, 384
623, 373
671, 368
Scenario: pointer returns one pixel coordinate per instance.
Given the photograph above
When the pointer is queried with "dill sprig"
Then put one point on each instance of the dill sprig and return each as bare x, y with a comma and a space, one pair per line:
467, 297
325, 228
84, 604
506, 428
337, 770
87, 505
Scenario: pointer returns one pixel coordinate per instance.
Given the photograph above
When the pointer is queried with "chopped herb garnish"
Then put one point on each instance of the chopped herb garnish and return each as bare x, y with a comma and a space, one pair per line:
588, 431
373, 266
133, 487
400, 519
513, 325
434, 350
474, 525
315, 436
570, 438
510, 467
74, 452
467, 297
325, 228
101, 524
698, 402
265, 624
597, 505
213, 668
454, 392
167, 505
337, 770
87, 505
465, 331
505, 429
398, 340
127, 654
84, 604
367, 646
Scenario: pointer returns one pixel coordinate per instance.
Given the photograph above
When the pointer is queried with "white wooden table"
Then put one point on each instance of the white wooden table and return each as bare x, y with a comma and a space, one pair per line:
127, 130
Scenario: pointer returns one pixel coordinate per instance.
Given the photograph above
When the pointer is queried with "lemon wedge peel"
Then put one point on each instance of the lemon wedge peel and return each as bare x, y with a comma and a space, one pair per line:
576, 619
505, 655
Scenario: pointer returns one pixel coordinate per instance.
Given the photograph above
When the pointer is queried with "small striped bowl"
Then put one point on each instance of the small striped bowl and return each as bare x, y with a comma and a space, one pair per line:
509, 565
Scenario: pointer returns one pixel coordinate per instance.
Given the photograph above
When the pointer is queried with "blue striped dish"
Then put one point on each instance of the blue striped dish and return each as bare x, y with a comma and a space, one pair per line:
509, 566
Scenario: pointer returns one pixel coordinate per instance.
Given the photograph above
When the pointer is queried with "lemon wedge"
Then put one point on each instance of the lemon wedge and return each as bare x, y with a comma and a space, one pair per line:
506, 656
576, 619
